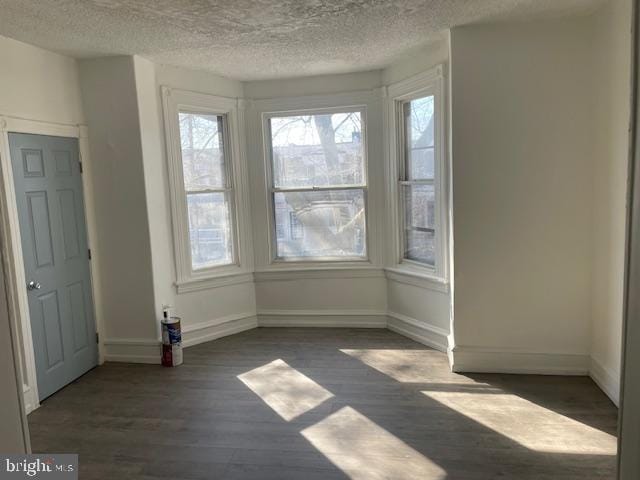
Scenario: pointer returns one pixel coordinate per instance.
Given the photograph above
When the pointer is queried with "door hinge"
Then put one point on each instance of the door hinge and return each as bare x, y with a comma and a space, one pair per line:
97, 337
80, 163
89, 253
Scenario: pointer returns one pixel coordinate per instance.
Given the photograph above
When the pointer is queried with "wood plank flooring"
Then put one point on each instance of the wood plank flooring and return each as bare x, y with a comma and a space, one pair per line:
326, 404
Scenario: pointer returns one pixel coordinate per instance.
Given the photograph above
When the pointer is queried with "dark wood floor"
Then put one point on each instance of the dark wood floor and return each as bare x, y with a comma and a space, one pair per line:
326, 404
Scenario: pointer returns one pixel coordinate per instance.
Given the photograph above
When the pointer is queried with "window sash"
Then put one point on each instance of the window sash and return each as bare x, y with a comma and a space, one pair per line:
268, 117
221, 121
326, 258
223, 234
208, 190
318, 189
427, 181
420, 229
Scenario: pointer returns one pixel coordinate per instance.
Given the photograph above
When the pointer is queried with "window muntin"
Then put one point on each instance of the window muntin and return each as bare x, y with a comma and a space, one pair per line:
207, 188
418, 186
297, 231
319, 186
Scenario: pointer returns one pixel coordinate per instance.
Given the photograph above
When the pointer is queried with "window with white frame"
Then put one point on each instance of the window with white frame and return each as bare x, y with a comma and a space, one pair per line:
207, 188
202, 152
418, 180
420, 168
318, 185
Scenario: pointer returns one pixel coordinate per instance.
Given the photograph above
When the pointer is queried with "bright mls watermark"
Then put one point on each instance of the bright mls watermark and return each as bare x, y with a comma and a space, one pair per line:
44, 466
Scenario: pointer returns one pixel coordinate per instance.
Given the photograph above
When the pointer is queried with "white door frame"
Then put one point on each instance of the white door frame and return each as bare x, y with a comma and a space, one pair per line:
12, 245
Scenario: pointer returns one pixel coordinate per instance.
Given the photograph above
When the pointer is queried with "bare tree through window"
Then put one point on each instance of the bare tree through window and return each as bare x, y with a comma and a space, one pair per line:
319, 182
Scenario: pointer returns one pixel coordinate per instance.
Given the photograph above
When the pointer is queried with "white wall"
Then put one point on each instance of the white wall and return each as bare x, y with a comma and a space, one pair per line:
198, 81
420, 60
155, 178
38, 85
111, 106
522, 195
334, 299
205, 312
415, 307
318, 85
611, 72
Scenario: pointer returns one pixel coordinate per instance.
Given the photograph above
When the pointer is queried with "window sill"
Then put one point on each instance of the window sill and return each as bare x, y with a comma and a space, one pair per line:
319, 262
291, 272
214, 281
410, 276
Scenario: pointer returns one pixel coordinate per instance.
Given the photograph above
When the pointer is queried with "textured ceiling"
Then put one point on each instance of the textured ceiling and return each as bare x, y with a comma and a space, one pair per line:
259, 39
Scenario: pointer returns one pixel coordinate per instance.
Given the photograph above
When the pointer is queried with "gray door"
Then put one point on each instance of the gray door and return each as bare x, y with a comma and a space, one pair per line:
48, 185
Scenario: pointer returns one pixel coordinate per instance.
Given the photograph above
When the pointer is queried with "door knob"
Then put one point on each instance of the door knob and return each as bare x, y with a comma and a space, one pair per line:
33, 285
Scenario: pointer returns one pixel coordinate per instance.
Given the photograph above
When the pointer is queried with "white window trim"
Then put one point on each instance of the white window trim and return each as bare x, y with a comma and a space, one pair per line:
431, 82
313, 262
175, 101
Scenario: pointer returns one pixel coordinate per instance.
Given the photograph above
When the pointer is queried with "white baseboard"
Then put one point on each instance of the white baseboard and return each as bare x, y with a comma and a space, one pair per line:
220, 327
322, 318
30, 399
148, 351
421, 332
132, 350
606, 379
463, 359
467, 359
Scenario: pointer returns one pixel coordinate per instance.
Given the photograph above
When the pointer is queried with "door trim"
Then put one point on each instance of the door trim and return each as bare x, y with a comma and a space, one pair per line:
12, 247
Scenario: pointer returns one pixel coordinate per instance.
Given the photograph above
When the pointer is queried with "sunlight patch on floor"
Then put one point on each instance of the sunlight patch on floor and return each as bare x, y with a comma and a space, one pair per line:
407, 366
365, 451
532, 426
287, 391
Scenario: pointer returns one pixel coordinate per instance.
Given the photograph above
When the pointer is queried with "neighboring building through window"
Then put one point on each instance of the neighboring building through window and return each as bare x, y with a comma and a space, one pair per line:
319, 185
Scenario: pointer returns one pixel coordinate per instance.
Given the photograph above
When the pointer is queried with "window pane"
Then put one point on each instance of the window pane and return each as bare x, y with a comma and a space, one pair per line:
420, 206
421, 247
202, 151
209, 230
419, 136
420, 223
421, 166
320, 224
317, 150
